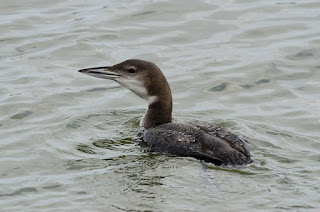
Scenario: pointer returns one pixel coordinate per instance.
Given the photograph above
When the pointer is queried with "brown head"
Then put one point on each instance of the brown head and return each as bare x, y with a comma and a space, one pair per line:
144, 79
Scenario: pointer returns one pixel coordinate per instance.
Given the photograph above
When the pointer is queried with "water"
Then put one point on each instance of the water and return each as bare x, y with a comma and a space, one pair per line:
67, 140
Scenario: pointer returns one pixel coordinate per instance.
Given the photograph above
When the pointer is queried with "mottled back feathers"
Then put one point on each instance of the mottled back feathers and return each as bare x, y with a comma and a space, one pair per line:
203, 141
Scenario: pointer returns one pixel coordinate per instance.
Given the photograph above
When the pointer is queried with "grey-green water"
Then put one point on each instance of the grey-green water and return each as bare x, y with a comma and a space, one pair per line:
67, 140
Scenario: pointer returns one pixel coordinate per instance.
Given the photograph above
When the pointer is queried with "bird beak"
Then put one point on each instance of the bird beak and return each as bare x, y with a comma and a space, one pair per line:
101, 72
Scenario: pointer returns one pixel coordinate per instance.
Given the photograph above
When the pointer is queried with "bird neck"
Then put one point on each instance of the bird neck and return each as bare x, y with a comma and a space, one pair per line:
159, 111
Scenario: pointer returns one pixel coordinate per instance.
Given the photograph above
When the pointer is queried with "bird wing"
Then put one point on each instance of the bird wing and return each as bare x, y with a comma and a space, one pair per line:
237, 142
200, 141
177, 143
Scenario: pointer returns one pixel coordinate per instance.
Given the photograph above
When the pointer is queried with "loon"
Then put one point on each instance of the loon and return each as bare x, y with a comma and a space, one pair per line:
203, 141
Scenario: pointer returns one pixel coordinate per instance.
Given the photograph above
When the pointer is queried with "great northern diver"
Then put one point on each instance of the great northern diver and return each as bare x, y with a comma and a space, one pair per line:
203, 141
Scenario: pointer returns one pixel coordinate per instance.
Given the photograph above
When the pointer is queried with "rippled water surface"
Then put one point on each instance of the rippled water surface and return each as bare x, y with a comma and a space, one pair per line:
67, 140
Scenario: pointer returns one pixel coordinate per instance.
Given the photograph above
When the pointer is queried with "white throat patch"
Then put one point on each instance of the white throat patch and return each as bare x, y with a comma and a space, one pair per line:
152, 99
135, 86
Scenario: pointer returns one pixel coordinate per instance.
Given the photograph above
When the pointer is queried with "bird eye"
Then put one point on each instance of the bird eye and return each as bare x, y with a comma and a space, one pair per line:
131, 70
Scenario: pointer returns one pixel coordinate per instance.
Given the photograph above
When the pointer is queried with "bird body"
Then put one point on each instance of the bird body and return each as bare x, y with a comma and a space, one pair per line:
203, 141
